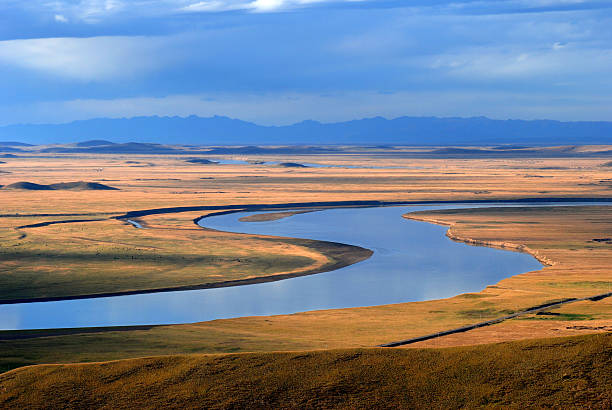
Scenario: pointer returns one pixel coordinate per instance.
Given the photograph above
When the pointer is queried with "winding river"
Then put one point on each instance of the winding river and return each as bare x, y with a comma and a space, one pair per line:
412, 261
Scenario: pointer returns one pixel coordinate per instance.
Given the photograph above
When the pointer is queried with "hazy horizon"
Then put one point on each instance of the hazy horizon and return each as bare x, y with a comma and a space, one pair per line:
402, 130
306, 120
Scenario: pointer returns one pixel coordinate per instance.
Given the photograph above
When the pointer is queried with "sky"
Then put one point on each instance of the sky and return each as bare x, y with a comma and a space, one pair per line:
282, 61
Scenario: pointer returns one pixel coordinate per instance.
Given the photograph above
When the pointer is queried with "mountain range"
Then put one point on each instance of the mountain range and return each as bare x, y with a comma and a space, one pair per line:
218, 130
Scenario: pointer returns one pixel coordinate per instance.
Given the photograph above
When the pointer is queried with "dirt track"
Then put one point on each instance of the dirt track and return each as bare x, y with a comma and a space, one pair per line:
494, 321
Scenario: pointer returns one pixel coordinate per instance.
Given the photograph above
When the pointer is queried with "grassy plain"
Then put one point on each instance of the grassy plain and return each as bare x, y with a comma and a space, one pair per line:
110, 255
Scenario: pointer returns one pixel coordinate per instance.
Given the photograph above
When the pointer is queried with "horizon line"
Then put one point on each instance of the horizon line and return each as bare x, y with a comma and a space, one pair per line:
308, 120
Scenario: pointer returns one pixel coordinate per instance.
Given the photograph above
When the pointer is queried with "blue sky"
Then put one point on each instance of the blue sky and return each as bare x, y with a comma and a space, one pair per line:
282, 61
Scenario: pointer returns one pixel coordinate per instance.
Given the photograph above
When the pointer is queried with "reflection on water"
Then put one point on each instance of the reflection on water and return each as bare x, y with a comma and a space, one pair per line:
412, 261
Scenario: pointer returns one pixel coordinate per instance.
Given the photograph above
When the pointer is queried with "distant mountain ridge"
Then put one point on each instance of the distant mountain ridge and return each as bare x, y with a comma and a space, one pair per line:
219, 130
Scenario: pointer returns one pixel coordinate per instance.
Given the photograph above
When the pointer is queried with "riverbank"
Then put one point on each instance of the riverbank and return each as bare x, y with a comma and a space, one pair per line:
337, 256
451, 234
110, 258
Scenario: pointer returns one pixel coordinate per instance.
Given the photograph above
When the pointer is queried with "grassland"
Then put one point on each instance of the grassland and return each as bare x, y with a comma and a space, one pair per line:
106, 255
580, 269
166, 181
560, 373
111, 256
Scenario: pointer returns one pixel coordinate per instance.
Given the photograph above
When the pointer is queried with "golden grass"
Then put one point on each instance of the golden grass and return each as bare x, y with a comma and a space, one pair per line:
562, 372
101, 256
173, 251
112, 256
581, 269
109, 256
162, 181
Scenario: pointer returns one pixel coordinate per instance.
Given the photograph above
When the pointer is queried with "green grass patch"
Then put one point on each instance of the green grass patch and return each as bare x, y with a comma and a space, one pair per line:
473, 296
582, 284
479, 313
560, 316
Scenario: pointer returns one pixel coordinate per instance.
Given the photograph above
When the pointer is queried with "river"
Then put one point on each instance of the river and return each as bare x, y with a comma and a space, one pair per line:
412, 261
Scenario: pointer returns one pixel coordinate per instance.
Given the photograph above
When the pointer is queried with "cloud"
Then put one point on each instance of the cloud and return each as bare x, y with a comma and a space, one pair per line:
546, 63
103, 11
90, 11
440, 6
444, 6
96, 11
60, 18
207, 6
492, 7
260, 6
428, 58
86, 59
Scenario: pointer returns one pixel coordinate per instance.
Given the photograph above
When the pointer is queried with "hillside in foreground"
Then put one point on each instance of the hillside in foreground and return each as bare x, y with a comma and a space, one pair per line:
536, 373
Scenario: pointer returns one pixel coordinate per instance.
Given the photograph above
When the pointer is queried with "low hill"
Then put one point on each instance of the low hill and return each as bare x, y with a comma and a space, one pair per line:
561, 372
82, 186
292, 165
200, 161
127, 148
73, 186
30, 186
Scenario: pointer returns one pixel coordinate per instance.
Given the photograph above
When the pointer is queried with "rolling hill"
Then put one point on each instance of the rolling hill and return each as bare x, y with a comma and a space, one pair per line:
557, 373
